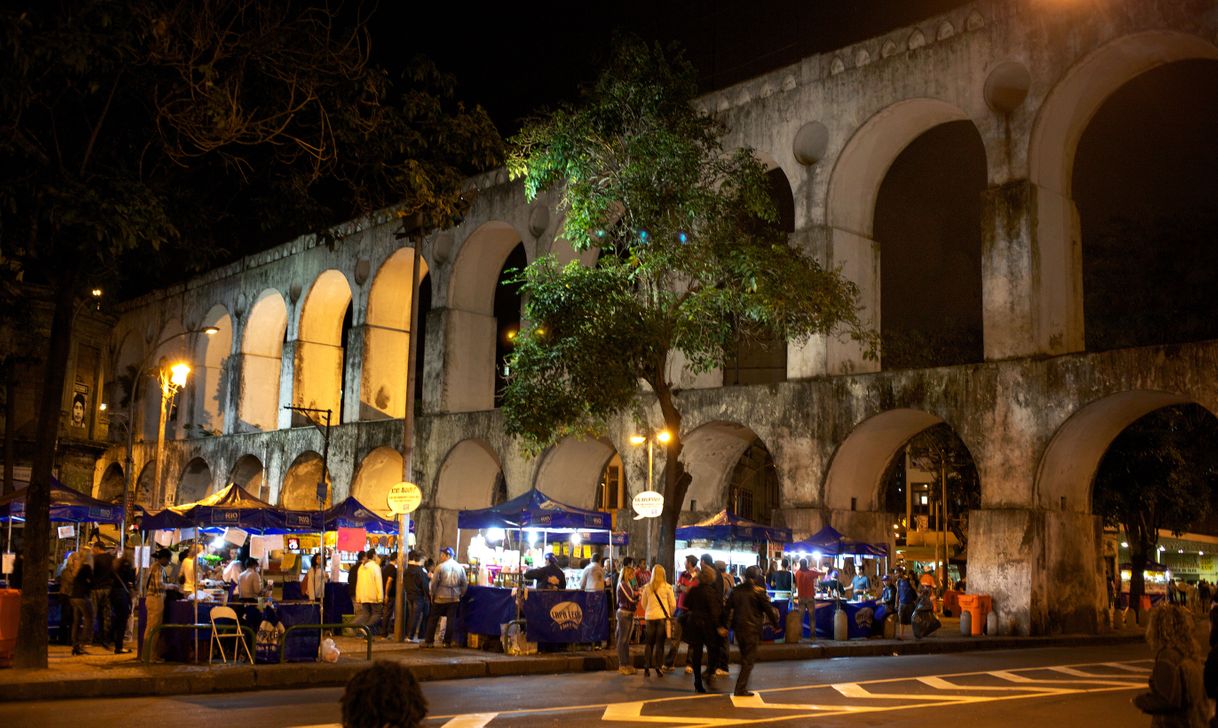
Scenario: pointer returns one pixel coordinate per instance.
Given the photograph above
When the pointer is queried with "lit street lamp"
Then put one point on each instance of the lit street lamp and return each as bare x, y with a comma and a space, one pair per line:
663, 437
176, 378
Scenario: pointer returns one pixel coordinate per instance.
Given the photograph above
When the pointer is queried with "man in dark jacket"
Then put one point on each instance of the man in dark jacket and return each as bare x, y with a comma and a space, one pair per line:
103, 582
415, 583
549, 576
748, 610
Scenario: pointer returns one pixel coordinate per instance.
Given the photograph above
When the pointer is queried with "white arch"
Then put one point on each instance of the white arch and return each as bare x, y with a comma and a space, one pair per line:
318, 376
261, 360
378, 471
248, 473
570, 471
299, 489
195, 483
207, 380
476, 269
857, 468
710, 453
467, 476
384, 381
1067, 467
1075, 99
863, 163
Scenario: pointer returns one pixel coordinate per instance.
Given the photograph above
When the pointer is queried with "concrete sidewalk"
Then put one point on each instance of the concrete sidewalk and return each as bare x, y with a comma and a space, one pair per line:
106, 675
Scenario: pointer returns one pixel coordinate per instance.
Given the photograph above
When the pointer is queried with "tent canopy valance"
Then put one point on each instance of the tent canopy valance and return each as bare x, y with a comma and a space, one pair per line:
830, 542
727, 526
230, 507
67, 506
350, 513
534, 509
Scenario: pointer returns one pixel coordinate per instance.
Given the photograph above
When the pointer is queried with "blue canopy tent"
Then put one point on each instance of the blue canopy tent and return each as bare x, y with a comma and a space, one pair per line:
350, 513
830, 542
727, 526
535, 511
67, 506
235, 507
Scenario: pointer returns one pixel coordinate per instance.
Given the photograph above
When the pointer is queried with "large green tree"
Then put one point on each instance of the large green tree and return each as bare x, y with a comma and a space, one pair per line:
690, 257
1160, 473
143, 136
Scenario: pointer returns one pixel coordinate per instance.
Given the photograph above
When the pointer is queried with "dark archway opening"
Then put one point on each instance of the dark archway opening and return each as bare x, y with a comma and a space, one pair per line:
925, 531
507, 315
928, 224
1147, 197
753, 489
1155, 485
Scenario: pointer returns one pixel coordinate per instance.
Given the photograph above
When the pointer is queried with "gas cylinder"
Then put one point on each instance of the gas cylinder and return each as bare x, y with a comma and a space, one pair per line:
966, 623
794, 627
841, 624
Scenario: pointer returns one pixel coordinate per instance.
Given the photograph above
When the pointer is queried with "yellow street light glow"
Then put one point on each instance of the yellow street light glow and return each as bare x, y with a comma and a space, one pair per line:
511, 335
541, 331
179, 372
102, 407
97, 292
637, 439
664, 436
210, 331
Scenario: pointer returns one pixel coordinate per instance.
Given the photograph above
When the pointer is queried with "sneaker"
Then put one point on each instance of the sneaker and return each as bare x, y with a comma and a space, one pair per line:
721, 673
689, 670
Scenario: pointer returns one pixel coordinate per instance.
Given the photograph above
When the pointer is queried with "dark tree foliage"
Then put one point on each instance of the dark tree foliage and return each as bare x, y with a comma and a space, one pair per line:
696, 258
140, 138
1160, 473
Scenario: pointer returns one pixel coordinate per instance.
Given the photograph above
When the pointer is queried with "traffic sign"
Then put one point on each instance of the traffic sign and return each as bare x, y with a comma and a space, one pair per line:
648, 504
404, 497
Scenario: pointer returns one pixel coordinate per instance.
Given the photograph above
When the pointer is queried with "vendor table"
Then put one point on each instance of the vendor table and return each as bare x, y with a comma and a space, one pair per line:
483, 610
566, 616
824, 617
180, 645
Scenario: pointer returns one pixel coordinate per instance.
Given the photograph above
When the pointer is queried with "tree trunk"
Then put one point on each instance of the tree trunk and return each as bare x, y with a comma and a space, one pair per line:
675, 486
10, 420
32, 637
1137, 576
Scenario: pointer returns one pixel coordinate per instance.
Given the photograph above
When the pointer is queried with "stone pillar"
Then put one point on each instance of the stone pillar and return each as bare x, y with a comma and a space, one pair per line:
354, 358
1031, 268
462, 347
1003, 554
288, 366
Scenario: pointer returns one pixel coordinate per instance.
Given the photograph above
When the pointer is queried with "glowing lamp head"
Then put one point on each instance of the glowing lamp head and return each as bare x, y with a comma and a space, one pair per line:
664, 436
103, 407
211, 330
178, 373
576, 539
816, 555
494, 534
637, 439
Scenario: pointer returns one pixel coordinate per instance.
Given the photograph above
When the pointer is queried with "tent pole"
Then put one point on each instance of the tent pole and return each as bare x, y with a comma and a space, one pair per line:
457, 555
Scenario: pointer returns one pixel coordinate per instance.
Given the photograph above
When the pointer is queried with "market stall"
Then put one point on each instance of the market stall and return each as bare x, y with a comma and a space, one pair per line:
536, 521
180, 645
730, 538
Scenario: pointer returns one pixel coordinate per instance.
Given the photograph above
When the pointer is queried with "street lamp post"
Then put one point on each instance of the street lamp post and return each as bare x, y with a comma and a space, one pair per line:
130, 483
663, 437
172, 380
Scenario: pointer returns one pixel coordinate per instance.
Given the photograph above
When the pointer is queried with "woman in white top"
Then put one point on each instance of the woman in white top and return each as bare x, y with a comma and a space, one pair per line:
659, 604
190, 571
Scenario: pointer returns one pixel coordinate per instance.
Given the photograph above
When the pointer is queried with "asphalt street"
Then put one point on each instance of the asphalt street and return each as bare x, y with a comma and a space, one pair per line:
1070, 686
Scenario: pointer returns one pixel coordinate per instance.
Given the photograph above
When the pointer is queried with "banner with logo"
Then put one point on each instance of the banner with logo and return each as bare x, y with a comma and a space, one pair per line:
567, 616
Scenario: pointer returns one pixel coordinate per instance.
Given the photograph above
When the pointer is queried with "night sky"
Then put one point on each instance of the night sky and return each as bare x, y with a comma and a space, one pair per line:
514, 57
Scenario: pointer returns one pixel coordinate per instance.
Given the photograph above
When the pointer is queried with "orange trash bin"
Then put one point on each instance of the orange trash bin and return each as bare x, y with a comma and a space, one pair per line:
978, 606
10, 610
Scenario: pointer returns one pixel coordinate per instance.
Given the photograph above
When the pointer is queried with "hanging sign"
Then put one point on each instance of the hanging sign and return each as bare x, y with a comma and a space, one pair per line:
404, 498
648, 504
66, 531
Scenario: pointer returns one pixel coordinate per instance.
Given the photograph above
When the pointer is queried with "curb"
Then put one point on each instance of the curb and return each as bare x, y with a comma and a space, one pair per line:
200, 681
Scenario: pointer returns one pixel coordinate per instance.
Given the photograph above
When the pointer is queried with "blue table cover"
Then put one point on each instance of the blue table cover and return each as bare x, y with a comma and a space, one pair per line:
562, 616
824, 618
483, 609
338, 602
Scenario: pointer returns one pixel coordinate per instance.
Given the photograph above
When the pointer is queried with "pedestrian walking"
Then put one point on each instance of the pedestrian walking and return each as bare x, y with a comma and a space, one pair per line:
448, 585
369, 594
659, 604
627, 603
748, 609
704, 625
687, 580
1176, 698
907, 598
81, 597
121, 590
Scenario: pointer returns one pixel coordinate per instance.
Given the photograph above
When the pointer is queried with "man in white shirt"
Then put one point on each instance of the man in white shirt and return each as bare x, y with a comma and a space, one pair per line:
593, 577
249, 584
232, 570
369, 594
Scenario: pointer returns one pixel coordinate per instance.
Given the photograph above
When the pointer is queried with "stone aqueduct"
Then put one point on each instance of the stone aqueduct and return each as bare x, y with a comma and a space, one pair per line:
1036, 414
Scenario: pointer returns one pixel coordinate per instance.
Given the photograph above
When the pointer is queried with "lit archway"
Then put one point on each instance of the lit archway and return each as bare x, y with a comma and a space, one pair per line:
143, 486
470, 357
248, 473
208, 378
572, 470
384, 382
720, 458
299, 489
378, 472
468, 477
261, 360
321, 345
195, 483
110, 487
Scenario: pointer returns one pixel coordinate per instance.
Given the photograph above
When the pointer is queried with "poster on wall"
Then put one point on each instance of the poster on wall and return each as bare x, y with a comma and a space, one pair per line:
80, 406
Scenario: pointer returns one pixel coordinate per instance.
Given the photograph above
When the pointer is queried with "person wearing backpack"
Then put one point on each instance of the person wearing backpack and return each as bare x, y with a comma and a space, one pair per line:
448, 585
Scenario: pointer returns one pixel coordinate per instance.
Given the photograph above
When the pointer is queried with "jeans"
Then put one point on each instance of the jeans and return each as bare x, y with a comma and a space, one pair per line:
82, 621
120, 607
438, 610
369, 614
711, 641
653, 645
416, 608
387, 616
101, 610
748, 642
625, 625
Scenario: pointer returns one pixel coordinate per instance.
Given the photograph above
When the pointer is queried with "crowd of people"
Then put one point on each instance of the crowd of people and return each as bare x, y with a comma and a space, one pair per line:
99, 586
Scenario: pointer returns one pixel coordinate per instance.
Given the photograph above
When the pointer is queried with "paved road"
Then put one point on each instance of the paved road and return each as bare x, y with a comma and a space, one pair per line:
1076, 687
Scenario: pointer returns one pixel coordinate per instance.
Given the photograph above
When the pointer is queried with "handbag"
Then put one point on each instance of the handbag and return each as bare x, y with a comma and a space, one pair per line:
667, 616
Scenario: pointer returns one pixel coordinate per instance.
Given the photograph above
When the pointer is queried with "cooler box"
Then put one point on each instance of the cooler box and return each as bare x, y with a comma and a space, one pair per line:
978, 606
10, 610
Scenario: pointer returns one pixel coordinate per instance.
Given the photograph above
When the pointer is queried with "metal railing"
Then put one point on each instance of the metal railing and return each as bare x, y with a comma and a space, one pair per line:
155, 634
339, 626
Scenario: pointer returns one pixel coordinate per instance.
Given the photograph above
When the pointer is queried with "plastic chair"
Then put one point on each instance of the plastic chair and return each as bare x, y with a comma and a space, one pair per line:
221, 632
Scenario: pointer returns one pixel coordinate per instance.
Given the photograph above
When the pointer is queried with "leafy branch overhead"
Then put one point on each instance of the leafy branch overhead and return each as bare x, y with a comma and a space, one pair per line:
691, 258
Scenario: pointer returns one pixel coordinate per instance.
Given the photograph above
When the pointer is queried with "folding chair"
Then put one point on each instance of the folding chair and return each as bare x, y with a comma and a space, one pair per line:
220, 632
